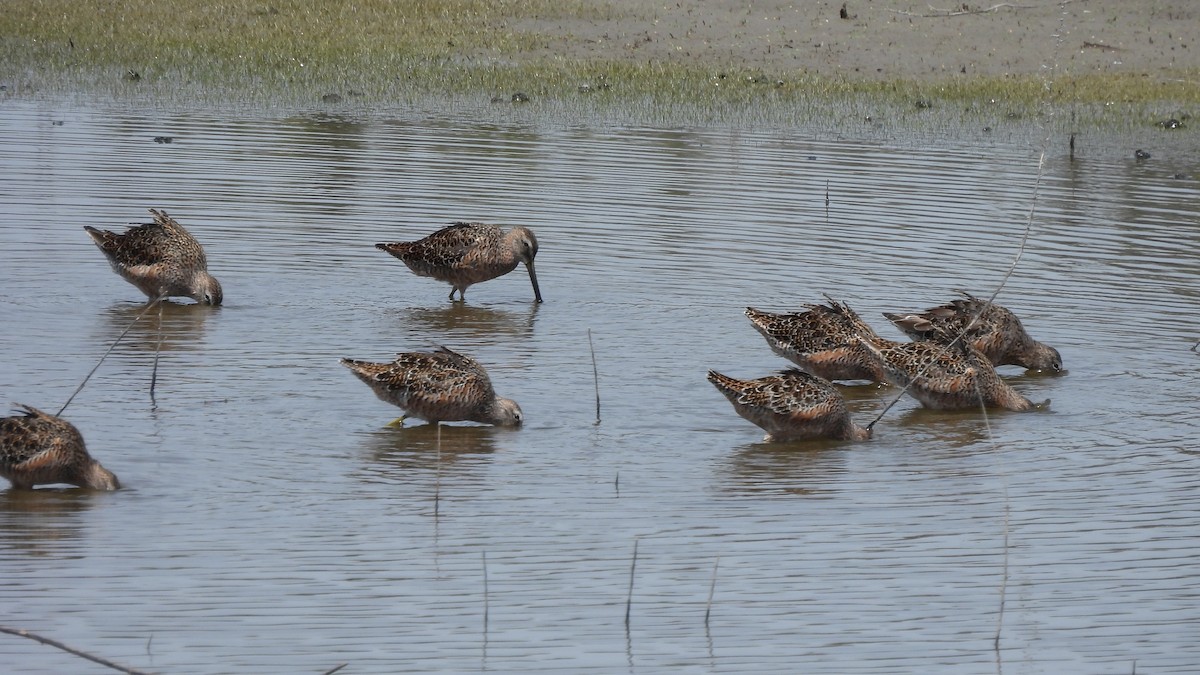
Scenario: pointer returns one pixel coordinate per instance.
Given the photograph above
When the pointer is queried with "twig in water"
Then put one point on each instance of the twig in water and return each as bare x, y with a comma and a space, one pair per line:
942, 13
595, 374
1195, 345
1101, 46
826, 200
105, 356
629, 598
70, 650
617, 484
334, 669
712, 587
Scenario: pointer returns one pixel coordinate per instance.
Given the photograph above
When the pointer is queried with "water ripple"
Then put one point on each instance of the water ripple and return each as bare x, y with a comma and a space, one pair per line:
272, 522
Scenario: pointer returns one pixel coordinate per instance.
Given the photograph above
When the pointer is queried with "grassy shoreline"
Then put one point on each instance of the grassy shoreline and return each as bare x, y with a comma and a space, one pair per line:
375, 52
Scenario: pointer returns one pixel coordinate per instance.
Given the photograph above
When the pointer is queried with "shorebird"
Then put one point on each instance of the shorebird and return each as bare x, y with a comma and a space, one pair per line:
161, 258
438, 386
791, 405
822, 341
944, 375
37, 448
997, 332
469, 253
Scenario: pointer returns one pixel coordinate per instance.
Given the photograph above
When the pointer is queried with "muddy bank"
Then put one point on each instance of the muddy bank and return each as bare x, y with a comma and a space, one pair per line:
889, 39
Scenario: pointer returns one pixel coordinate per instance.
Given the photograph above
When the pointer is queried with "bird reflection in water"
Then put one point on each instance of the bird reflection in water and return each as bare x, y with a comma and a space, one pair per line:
459, 320
45, 522
397, 454
808, 468
182, 326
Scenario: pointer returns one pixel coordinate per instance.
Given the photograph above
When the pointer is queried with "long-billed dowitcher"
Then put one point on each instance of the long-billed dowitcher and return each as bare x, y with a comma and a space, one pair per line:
469, 253
944, 375
37, 448
161, 258
997, 332
822, 341
438, 386
791, 405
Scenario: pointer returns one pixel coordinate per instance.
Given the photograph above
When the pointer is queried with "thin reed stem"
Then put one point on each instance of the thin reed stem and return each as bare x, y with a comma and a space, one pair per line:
105, 355
595, 374
629, 597
485, 596
157, 351
712, 587
437, 476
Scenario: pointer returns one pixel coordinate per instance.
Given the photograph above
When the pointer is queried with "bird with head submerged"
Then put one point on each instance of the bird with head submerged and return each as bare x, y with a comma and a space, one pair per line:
943, 373
992, 329
464, 254
791, 405
823, 340
38, 448
438, 386
161, 258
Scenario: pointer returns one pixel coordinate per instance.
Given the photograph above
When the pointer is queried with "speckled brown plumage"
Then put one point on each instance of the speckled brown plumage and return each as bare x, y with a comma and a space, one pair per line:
439, 386
464, 254
791, 405
822, 341
944, 376
161, 258
37, 448
997, 333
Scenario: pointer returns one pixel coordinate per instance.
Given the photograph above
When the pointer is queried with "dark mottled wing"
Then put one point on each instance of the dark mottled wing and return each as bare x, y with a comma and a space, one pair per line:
450, 245
840, 315
24, 437
443, 251
442, 378
942, 369
792, 393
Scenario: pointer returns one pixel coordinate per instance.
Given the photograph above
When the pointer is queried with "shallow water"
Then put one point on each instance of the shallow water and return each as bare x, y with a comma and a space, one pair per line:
272, 523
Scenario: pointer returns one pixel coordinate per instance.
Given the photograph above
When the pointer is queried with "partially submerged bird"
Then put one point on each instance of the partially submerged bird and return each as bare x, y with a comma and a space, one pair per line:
161, 258
463, 254
997, 332
438, 386
791, 405
822, 340
37, 448
944, 374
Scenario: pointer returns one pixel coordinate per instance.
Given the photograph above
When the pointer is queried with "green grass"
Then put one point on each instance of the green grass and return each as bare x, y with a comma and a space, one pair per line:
384, 51
220, 40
